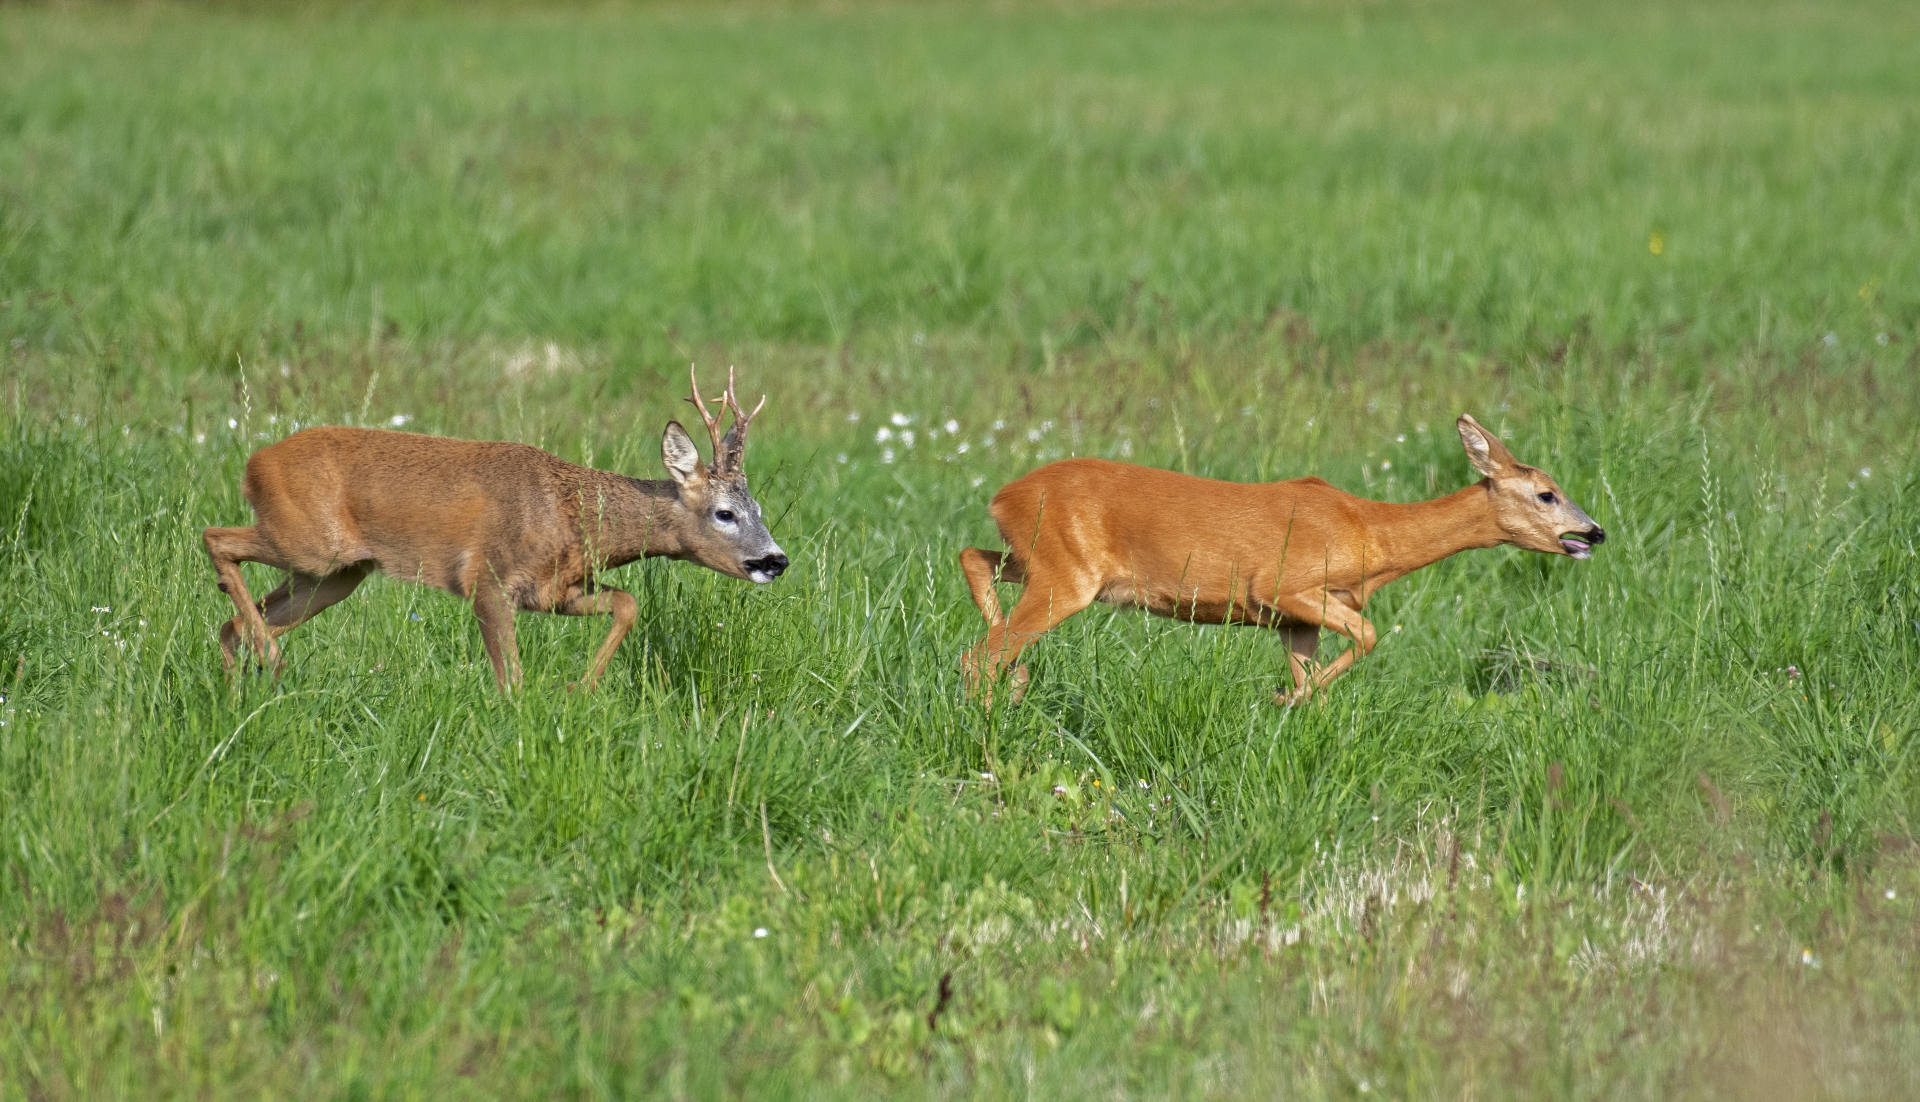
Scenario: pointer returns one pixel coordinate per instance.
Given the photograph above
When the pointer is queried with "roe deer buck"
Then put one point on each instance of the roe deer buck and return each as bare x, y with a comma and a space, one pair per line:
503, 525
1297, 555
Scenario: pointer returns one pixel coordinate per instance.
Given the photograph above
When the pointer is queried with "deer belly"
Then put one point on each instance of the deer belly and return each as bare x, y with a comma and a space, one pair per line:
1195, 605
1162, 602
1124, 594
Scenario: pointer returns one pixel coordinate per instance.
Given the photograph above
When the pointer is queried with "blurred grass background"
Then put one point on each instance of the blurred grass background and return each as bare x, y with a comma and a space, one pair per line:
199, 181
1637, 826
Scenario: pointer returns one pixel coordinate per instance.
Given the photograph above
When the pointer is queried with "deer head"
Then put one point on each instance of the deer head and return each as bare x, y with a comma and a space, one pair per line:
1532, 509
726, 533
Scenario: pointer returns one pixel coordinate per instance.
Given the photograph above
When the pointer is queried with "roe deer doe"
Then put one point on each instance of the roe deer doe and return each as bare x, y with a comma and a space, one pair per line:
1296, 556
503, 525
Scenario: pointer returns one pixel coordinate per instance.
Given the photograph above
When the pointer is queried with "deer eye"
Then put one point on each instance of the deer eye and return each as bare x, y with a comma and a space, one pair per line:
1547, 498
725, 515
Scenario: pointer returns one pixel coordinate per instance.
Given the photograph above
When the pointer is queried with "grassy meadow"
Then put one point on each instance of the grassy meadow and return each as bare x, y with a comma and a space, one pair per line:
1639, 827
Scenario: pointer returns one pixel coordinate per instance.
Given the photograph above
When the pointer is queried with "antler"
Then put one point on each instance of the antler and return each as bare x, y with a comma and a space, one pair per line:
728, 450
699, 403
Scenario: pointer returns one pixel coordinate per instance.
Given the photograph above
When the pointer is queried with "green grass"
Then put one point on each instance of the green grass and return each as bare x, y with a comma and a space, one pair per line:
1249, 242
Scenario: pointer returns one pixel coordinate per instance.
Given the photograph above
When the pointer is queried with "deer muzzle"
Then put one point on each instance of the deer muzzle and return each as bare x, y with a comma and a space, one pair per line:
766, 568
1580, 545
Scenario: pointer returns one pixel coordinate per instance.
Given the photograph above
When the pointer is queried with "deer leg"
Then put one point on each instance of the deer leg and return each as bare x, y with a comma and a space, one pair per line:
300, 598
305, 596
1334, 617
1302, 642
231, 638
494, 609
606, 601
228, 548
1040, 609
983, 569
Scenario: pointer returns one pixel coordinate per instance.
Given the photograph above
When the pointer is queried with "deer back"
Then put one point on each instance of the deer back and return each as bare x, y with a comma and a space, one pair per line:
424, 508
1120, 521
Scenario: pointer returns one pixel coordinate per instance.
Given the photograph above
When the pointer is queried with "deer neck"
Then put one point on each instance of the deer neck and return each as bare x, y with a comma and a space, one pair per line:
1424, 532
624, 519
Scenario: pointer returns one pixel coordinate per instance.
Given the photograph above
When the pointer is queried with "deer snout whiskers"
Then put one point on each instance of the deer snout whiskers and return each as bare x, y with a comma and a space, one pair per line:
766, 568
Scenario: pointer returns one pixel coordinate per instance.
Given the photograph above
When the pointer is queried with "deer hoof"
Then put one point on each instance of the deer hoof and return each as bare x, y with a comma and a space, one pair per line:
980, 678
981, 688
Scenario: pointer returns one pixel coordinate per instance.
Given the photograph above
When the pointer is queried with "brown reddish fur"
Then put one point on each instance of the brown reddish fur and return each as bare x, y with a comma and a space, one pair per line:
1296, 556
505, 526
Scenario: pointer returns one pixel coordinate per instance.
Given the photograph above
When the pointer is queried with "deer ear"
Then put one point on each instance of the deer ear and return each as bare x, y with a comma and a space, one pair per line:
1484, 450
681, 457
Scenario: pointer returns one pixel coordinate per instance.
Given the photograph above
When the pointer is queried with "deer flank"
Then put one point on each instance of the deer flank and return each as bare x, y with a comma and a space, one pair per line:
1295, 556
504, 526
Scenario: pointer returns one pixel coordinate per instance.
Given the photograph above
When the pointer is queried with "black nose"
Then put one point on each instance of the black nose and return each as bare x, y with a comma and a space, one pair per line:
772, 565
1597, 535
